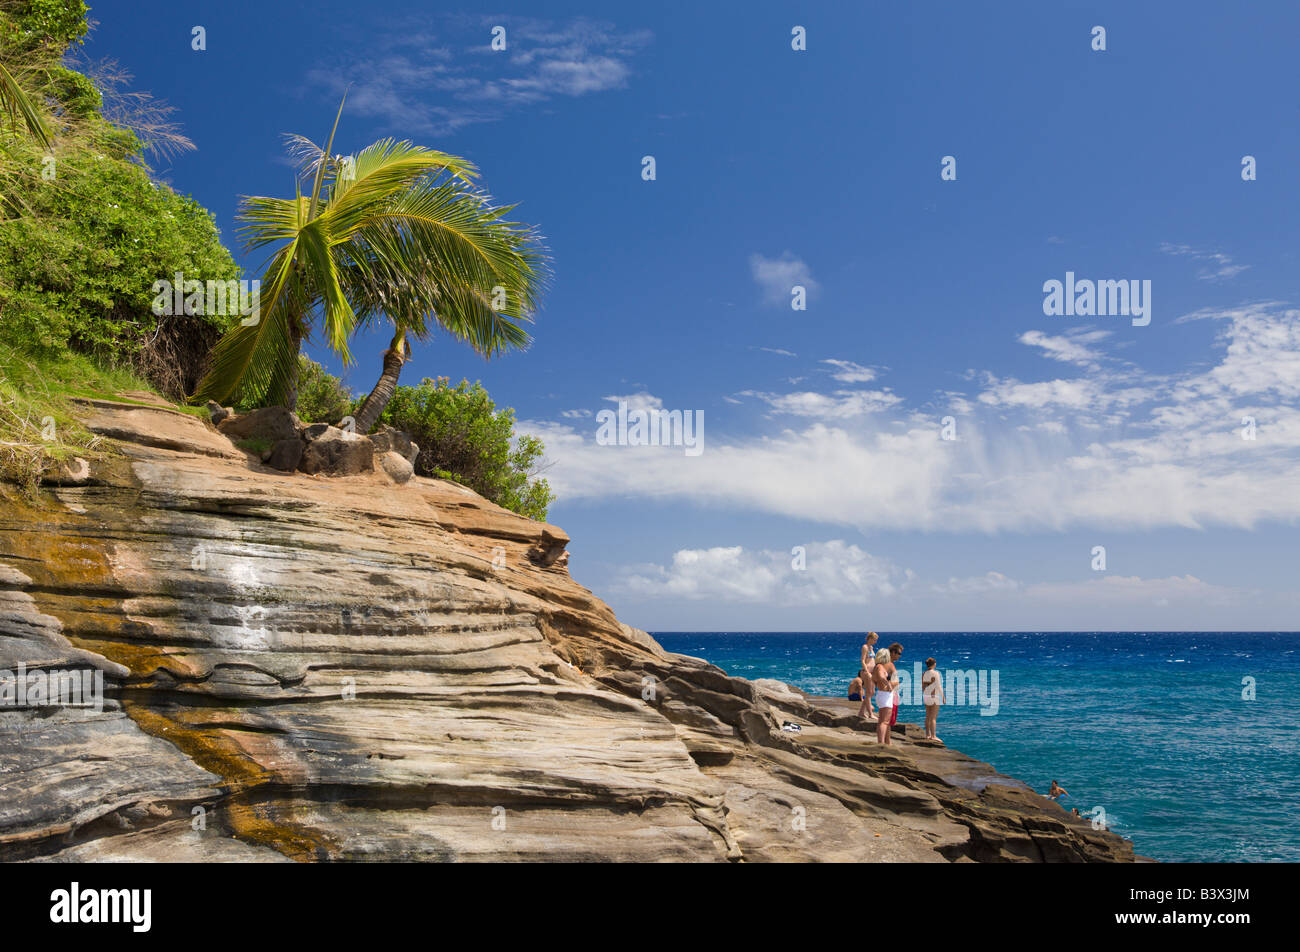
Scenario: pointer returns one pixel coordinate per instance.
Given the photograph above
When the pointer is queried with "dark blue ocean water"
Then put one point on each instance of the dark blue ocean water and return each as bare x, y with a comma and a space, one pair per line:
1152, 728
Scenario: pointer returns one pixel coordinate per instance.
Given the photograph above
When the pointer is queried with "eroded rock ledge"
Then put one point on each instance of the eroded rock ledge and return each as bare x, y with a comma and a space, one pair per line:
307, 668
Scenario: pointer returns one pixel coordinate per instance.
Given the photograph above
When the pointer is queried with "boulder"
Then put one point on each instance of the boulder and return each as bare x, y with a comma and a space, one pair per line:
332, 452
159, 427
269, 423
550, 548
390, 440
284, 455
397, 466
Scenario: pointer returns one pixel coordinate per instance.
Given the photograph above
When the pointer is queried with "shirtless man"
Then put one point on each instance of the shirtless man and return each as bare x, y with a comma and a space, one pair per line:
882, 677
868, 662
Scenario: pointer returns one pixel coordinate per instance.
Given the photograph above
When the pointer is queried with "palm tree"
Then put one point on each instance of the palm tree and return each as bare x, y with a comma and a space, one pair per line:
480, 302
396, 212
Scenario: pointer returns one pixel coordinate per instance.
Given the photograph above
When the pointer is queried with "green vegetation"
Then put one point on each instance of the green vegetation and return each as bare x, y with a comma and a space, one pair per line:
84, 231
398, 233
84, 234
464, 437
322, 398
28, 30
38, 429
76, 271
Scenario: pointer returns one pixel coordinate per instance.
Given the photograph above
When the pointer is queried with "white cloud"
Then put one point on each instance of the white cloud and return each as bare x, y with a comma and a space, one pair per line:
439, 83
976, 585
839, 574
838, 405
1119, 449
777, 276
1120, 590
846, 371
1071, 348
833, 572
638, 401
1079, 394
1216, 266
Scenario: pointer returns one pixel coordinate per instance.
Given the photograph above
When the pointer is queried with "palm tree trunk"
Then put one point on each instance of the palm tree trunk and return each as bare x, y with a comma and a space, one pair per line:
291, 385
374, 404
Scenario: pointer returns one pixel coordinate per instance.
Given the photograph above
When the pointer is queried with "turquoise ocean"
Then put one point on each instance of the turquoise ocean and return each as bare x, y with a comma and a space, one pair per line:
1189, 742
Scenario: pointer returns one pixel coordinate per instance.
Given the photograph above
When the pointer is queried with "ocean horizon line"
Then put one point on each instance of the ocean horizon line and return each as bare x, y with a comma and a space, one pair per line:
975, 631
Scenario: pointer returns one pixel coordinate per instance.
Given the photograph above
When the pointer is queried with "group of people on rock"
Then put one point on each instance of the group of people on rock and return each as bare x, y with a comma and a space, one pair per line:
878, 679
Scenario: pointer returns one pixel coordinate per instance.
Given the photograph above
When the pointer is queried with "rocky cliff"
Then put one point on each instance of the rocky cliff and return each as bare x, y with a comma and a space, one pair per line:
315, 668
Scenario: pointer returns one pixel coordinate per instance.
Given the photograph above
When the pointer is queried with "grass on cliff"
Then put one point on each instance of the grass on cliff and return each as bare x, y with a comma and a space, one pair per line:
38, 427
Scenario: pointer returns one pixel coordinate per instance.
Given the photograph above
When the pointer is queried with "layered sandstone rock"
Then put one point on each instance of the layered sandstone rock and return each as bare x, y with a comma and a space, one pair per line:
341, 669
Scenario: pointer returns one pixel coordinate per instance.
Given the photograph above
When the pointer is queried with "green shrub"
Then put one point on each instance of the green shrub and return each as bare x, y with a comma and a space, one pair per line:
462, 436
36, 24
85, 232
322, 397
77, 268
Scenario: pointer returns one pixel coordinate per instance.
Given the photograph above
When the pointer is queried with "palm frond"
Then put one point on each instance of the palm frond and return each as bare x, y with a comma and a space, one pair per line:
317, 256
467, 314
321, 167
259, 358
404, 237
269, 220
306, 154
386, 169
16, 102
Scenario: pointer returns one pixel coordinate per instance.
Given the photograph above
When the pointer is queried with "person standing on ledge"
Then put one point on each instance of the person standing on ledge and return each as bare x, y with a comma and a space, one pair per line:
895, 652
932, 694
882, 675
1057, 791
868, 662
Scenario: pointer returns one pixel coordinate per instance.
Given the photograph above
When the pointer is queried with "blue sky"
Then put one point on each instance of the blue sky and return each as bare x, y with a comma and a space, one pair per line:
821, 167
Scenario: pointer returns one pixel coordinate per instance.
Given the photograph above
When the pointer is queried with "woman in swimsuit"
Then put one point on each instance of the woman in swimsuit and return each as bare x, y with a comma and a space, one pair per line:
882, 675
868, 662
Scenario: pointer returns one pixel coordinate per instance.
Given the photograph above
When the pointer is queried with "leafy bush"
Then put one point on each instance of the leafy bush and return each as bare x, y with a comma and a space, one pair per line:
77, 272
85, 232
32, 24
322, 397
462, 436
